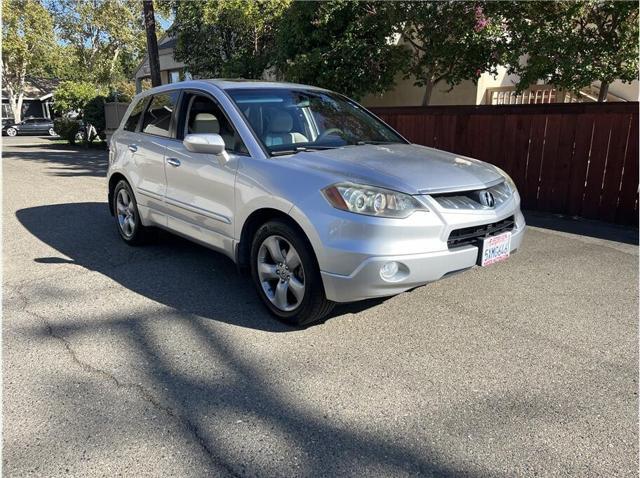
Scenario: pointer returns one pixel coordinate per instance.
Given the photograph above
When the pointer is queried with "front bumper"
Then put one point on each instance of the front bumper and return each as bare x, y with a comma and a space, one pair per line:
366, 282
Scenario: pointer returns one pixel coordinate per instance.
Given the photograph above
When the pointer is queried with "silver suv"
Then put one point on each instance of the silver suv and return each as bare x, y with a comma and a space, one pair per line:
321, 200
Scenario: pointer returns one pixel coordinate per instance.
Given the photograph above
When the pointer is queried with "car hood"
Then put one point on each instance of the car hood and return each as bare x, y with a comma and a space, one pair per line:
408, 168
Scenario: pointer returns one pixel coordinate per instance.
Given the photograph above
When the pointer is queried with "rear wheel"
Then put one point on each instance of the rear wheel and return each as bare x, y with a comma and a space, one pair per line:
286, 275
130, 227
52, 132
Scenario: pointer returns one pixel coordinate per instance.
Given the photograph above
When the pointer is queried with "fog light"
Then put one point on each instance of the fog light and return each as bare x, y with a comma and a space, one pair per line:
388, 270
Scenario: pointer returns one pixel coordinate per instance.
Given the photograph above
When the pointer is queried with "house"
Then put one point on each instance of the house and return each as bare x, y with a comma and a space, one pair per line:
495, 91
171, 70
488, 89
37, 100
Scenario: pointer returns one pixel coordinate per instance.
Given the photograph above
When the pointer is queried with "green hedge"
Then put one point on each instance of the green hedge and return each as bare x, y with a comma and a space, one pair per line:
67, 129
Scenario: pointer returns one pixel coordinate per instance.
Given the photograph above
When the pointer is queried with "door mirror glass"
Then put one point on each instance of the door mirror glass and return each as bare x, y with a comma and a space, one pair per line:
210, 143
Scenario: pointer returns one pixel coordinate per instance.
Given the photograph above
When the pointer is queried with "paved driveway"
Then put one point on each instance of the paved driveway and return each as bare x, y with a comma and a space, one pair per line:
161, 361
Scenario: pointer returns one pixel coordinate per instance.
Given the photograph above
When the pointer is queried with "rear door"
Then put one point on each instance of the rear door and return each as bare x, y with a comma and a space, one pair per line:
148, 153
200, 191
41, 126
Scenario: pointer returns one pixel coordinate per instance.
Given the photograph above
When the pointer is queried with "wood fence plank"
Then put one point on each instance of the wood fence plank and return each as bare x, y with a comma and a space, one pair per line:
532, 176
509, 143
579, 163
613, 170
428, 129
495, 155
558, 193
597, 160
549, 161
520, 152
627, 206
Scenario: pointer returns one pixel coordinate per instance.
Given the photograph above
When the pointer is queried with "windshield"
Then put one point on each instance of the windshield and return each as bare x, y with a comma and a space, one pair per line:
292, 120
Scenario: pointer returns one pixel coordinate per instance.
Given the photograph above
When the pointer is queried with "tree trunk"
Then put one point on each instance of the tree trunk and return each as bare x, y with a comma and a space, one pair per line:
17, 112
114, 61
604, 92
428, 89
152, 41
16, 96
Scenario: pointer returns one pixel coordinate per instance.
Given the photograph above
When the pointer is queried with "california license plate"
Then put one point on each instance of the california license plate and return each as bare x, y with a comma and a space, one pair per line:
495, 249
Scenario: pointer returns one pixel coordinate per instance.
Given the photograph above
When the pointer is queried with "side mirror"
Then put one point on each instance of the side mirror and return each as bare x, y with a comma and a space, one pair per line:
205, 143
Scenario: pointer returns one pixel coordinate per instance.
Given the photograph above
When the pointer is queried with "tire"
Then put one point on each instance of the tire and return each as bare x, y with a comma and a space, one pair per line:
127, 217
52, 132
271, 275
12, 132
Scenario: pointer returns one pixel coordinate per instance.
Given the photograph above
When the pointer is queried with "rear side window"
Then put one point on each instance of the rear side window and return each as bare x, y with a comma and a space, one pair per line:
134, 117
157, 118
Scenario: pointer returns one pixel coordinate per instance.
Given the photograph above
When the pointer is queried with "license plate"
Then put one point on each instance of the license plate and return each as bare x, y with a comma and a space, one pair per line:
495, 249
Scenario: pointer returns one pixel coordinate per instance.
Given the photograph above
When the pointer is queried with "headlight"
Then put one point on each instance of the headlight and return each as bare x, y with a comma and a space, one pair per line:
371, 200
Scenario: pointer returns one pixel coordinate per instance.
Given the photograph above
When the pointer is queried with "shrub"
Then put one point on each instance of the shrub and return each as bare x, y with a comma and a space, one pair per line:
67, 129
123, 91
71, 96
94, 115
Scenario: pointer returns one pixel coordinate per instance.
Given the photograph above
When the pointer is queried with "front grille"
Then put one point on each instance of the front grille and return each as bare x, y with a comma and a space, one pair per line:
470, 199
472, 235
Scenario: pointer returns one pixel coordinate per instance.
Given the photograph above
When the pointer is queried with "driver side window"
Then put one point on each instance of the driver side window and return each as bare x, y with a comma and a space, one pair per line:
204, 116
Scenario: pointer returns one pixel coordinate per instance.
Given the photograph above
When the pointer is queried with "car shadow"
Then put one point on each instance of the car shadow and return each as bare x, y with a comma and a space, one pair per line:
171, 270
583, 227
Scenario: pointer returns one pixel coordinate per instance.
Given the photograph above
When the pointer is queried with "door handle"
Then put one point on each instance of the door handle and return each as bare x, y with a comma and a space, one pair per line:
133, 148
173, 162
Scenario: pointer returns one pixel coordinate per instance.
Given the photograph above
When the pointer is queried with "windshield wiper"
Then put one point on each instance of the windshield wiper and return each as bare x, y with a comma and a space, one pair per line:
299, 149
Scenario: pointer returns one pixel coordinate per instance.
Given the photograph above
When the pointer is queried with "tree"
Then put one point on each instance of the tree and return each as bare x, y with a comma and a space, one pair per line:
27, 39
227, 38
449, 41
572, 44
342, 45
106, 37
152, 42
72, 96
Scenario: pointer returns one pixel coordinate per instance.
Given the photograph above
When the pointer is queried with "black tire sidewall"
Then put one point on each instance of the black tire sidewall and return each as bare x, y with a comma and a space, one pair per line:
313, 281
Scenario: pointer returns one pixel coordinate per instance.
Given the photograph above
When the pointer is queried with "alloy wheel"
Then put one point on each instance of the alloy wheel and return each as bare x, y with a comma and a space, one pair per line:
281, 273
126, 213
52, 132
11, 132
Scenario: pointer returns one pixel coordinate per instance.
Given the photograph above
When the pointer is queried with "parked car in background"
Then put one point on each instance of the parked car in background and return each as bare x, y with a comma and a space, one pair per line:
32, 126
321, 200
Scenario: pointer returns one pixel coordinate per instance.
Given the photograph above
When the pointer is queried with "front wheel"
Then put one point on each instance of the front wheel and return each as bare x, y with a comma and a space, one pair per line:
12, 132
286, 275
52, 132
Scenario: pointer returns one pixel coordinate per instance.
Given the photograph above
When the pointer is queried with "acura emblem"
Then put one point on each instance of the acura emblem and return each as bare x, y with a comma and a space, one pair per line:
486, 199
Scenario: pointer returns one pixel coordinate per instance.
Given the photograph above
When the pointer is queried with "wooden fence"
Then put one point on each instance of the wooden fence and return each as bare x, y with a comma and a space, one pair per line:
577, 159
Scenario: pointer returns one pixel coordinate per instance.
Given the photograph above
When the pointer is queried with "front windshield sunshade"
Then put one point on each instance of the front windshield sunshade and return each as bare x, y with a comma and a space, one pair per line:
292, 120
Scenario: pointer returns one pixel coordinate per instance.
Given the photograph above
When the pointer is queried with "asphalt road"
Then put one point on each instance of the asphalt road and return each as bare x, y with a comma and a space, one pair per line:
160, 361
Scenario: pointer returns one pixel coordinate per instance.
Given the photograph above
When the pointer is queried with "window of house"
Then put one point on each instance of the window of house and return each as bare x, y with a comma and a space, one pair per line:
174, 76
157, 118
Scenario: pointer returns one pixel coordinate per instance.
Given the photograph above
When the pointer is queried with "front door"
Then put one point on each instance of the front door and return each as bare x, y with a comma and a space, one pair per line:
29, 126
200, 190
